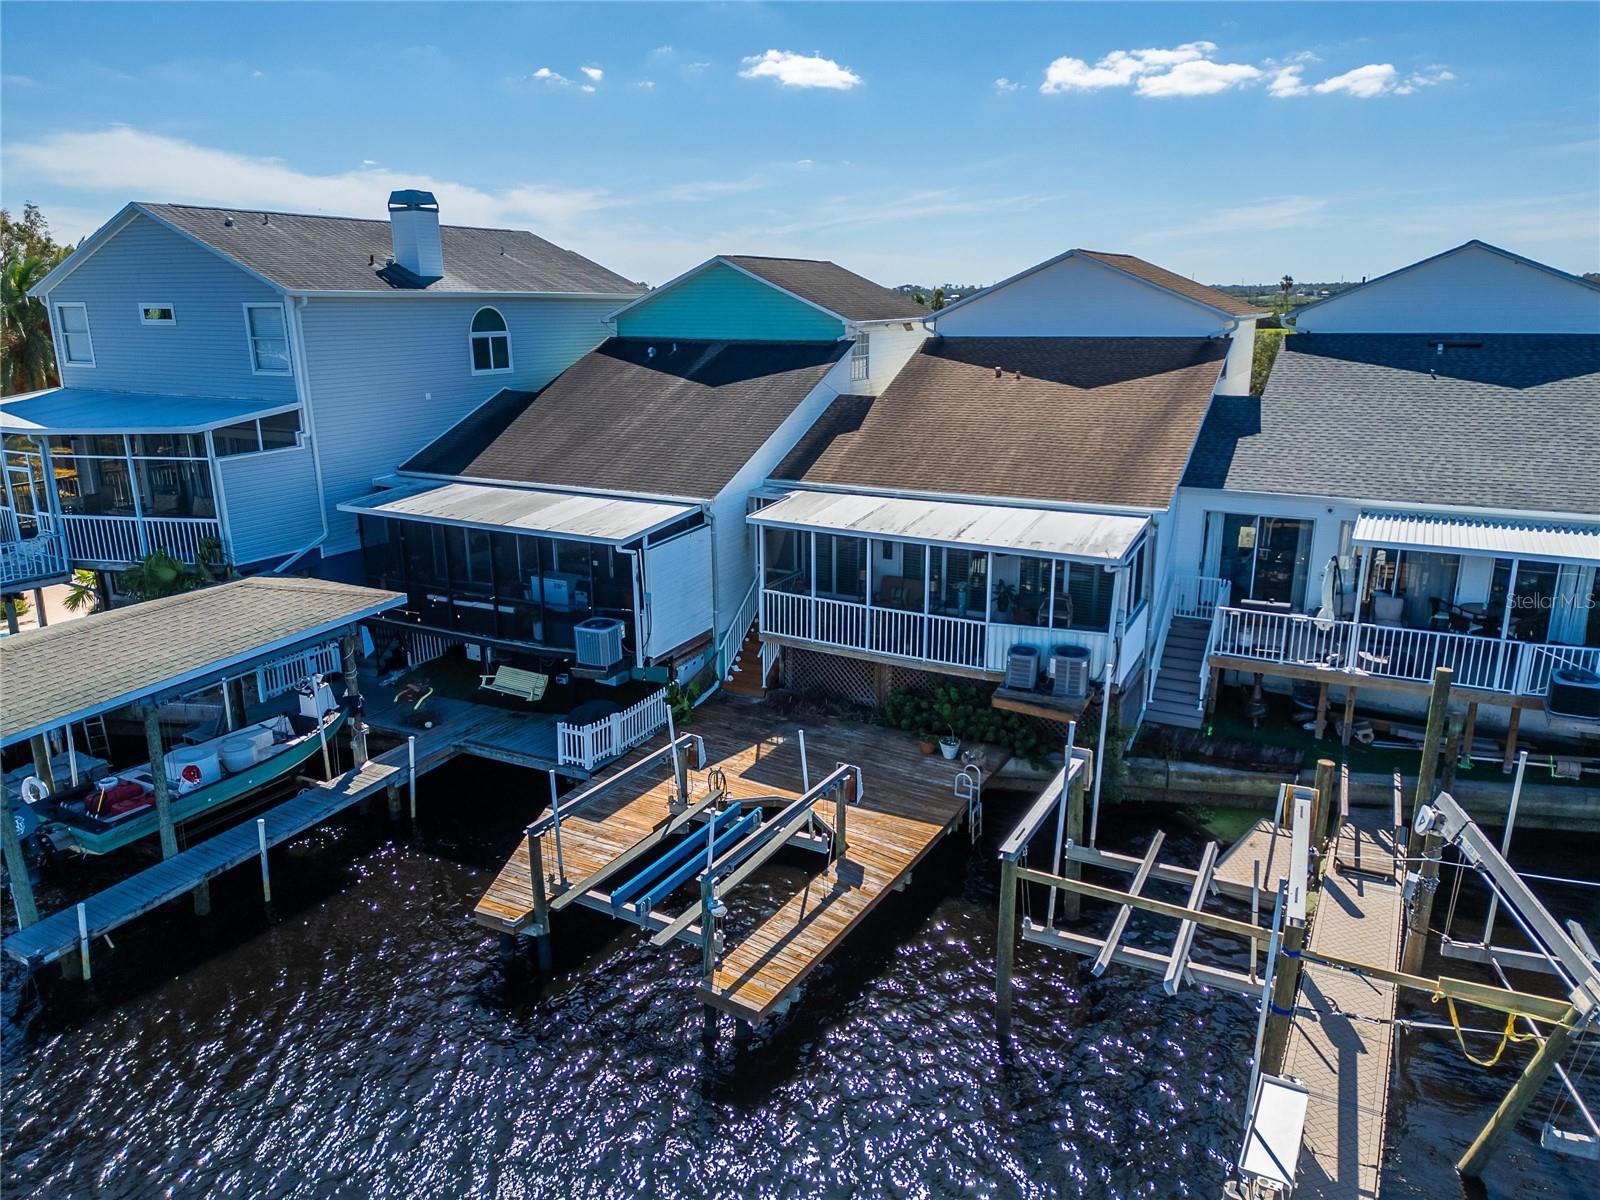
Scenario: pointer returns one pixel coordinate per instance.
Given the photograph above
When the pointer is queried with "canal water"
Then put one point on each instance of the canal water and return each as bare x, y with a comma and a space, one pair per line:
366, 1039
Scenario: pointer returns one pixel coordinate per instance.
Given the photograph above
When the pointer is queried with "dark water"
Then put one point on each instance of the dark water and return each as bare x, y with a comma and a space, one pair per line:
370, 1041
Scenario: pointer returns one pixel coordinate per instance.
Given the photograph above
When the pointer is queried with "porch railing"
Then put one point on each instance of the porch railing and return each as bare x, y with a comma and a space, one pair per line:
123, 541
277, 677
733, 637
588, 746
1199, 595
23, 559
1393, 652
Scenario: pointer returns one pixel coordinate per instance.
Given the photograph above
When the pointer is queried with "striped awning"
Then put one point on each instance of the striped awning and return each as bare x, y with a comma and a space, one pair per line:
1462, 535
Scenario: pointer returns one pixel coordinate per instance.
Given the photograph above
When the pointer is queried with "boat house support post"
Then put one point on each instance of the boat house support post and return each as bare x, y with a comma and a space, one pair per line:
1518, 1098
541, 902
11, 614
40, 745
158, 779
349, 665
17, 866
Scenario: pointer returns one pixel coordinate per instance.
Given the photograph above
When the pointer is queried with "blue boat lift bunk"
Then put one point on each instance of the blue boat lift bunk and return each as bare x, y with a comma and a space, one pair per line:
140, 658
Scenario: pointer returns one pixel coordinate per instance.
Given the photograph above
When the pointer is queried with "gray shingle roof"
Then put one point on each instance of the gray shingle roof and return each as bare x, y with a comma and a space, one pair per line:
681, 422
106, 660
1503, 421
851, 296
1091, 420
311, 253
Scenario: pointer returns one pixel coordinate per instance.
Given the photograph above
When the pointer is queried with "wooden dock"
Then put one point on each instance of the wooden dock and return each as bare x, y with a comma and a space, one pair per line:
56, 936
908, 805
522, 739
1266, 845
1342, 1040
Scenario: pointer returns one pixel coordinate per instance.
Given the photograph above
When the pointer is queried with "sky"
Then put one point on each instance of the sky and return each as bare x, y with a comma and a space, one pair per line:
920, 142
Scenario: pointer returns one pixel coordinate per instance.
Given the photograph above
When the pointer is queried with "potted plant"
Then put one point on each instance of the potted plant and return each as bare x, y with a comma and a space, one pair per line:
950, 745
925, 743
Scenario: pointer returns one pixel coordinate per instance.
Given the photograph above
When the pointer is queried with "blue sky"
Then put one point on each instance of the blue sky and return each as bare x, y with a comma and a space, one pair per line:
925, 142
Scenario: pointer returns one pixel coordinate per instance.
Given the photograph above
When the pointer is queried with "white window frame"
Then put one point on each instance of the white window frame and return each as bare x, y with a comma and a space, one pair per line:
861, 357
299, 438
146, 305
250, 342
472, 338
61, 334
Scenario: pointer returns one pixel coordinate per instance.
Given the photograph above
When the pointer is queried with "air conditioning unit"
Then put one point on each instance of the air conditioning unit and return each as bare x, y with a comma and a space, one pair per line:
1573, 693
599, 641
1069, 668
1022, 668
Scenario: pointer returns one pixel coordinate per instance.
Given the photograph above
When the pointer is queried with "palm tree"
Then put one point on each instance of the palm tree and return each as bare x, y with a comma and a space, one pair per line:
30, 361
83, 592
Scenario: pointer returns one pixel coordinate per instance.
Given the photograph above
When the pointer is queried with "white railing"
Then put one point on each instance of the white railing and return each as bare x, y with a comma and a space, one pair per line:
1392, 652
733, 636
282, 674
24, 559
588, 746
123, 541
1199, 595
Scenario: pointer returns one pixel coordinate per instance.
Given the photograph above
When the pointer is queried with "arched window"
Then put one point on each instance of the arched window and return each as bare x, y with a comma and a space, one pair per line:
491, 344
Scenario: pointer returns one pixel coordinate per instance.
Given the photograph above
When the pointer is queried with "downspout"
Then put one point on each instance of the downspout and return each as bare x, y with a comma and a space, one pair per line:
716, 583
635, 567
302, 387
220, 492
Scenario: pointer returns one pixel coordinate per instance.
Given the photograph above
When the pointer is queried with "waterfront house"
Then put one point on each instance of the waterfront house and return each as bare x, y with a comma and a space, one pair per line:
1009, 496
232, 376
1416, 487
598, 521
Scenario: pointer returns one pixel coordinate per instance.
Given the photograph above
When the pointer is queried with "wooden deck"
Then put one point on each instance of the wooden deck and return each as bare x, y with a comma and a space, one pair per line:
1341, 1047
56, 935
1266, 844
909, 804
523, 739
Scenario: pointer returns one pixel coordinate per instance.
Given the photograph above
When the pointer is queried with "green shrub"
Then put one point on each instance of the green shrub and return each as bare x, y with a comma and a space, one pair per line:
963, 710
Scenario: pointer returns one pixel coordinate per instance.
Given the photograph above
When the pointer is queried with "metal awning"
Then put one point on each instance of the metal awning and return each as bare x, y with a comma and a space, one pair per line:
69, 410
1105, 538
74, 670
1462, 535
520, 510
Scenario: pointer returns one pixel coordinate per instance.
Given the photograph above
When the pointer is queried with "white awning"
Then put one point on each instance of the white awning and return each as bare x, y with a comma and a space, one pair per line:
1105, 538
1460, 535
88, 410
519, 510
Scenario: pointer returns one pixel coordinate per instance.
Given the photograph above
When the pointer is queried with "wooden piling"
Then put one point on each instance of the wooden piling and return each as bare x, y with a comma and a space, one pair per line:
1071, 902
40, 746
1419, 912
1518, 1098
350, 666
1349, 715
1005, 947
1285, 984
1322, 711
16, 866
1513, 724
11, 614
1438, 709
158, 779
266, 875
1323, 806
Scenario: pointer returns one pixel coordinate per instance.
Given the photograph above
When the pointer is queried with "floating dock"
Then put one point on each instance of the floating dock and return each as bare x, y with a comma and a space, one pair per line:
905, 802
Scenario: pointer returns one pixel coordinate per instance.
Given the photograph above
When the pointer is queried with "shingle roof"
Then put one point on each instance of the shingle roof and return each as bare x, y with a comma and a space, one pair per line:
1174, 282
679, 423
1508, 421
75, 669
312, 253
1107, 421
851, 296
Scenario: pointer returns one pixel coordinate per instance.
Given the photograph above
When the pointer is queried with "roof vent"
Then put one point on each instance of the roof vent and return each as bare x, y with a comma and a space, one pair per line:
999, 372
265, 219
414, 226
227, 222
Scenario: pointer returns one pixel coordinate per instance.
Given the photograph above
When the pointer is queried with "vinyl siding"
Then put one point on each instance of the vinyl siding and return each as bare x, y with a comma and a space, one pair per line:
721, 303
205, 353
389, 374
1471, 291
677, 576
271, 502
1079, 297
891, 347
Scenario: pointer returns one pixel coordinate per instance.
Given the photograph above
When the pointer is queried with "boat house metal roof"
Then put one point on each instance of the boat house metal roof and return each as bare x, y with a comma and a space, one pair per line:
79, 669
586, 518
69, 410
1463, 535
1105, 538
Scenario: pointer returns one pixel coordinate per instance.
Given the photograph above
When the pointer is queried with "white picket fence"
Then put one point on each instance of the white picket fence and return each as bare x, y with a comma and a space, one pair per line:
588, 746
283, 674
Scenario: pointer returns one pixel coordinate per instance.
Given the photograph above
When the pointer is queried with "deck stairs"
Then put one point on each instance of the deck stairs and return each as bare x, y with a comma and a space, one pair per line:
1176, 700
744, 672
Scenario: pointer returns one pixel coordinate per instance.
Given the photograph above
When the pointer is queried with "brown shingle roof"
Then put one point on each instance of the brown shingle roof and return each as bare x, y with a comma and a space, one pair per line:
679, 422
1091, 420
853, 297
1174, 282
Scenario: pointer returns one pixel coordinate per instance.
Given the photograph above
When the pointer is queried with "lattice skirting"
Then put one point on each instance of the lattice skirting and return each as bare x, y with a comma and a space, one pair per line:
915, 679
811, 671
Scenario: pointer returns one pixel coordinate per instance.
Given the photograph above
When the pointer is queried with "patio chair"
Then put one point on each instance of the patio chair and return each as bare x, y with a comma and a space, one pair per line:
1388, 610
513, 681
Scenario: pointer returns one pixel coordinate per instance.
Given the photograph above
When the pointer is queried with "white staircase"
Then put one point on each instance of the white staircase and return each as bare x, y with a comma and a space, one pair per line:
1176, 699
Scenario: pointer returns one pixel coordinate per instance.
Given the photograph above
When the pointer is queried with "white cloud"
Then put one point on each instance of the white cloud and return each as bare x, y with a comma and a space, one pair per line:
661, 52
646, 84
1427, 77
1374, 79
595, 74
800, 70
1288, 81
588, 87
1005, 85
1117, 69
1283, 212
554, 78
1202, 77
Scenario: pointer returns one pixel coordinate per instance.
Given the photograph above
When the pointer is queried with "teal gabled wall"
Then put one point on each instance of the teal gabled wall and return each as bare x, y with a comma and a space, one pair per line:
722, 304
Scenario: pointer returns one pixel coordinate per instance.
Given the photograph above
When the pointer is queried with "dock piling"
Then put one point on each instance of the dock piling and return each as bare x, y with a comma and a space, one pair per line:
350, 666
17, 867
1005, 947
266, 877
555, 816
411, 774
83, 941
158, 780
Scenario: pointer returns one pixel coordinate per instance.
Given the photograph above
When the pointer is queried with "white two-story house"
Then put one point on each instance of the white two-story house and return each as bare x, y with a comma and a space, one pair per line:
231, 377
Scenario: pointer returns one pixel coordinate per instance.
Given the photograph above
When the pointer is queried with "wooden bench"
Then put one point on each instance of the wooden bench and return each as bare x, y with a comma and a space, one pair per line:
513, 681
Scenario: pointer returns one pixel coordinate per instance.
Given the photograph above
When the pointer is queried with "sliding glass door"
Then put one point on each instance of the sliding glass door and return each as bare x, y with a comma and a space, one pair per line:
1264, 558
